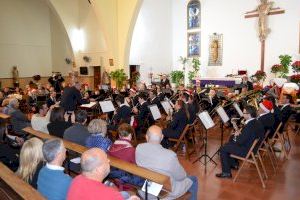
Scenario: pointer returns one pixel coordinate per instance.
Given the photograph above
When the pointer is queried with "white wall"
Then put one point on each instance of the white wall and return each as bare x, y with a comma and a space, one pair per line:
151, 45
160, 32
241, 44
25, 38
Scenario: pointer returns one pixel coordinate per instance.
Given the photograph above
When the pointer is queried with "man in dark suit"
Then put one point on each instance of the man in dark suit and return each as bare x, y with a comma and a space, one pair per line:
154, 99
277, 115
247, 83
286, 110
52, 99
266, 117
142, 113
122, 113
71, 97
177, 124
160, 94
241, 142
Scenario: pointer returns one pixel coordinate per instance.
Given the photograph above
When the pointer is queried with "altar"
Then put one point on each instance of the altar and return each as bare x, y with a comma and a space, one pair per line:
228, 82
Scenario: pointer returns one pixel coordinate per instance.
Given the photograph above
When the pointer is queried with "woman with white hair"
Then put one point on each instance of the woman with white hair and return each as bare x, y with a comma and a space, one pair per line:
98, 130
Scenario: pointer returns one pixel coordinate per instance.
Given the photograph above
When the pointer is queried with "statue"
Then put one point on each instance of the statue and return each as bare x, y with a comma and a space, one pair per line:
263, 10
214, 50
105, 78
15, 73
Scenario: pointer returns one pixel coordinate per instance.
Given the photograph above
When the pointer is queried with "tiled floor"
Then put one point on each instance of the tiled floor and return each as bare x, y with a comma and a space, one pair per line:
283, 185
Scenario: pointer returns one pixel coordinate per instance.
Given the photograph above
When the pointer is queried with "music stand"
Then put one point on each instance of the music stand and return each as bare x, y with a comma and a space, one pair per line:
207, 123
224, 119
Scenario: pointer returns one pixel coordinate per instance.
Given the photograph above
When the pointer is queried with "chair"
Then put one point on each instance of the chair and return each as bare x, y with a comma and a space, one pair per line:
278, 137
250, 158
266, 148
183, 139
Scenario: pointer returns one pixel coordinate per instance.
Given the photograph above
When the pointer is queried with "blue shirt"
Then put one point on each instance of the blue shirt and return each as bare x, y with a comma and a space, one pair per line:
97, 140
53, 184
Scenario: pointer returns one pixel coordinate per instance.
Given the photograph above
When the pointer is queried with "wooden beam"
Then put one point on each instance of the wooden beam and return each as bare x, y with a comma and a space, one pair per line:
115, 162
22, 188
270, 13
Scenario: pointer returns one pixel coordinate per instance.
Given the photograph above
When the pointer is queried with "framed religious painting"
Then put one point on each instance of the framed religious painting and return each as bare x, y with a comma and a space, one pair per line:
193, 47
193, 14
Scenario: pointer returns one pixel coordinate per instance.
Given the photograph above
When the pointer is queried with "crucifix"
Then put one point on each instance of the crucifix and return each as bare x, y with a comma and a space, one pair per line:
262, 11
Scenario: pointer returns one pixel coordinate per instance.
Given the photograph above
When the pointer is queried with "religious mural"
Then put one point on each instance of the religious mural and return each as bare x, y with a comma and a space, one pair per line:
215, 50
193, 15
193, 44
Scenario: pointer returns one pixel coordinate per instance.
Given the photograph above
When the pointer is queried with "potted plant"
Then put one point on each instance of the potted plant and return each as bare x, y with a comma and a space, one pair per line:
135, 76
295, 78
285, 61
177, 77
196, 68
275, 69
119, 76
259, 76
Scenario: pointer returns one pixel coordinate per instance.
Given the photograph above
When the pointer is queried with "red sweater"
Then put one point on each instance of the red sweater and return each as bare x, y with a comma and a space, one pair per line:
123, 150
87, 189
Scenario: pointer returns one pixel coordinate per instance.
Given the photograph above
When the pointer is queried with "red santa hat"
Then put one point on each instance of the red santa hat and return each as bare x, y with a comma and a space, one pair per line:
266, 105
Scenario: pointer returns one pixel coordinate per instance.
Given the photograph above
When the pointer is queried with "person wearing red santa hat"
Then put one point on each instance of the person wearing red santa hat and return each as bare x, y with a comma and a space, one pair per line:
266, 116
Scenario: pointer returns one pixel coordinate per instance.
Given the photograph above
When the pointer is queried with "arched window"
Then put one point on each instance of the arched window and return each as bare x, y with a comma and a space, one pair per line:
193, 28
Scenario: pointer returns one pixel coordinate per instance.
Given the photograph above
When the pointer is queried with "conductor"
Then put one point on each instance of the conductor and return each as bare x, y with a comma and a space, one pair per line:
71, 97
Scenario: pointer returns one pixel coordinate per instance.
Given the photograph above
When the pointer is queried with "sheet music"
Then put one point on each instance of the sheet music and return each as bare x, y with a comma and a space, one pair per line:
155, 112
107, 106
238, 109
223, 115
152, 188
167, 106
206, 120
89, 105
104, 87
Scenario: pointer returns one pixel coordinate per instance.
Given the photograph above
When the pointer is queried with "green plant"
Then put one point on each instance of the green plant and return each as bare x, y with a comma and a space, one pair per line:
119, 76
135, 76
285, 61
196, 67
177, 77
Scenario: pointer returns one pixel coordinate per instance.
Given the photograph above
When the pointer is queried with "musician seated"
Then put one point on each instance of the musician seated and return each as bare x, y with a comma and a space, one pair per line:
213, 99
154, 99
190, 107
240, 142
52, 99
247, 83
152, 156
266, 117
161, 94
277, 115
122, 114
177, 124
133, 97
286, 110
142, 113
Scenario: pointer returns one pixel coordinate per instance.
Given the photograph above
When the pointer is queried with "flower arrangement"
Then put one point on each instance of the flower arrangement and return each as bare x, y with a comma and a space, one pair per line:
276, 68
296, 66
259, 75
295, 78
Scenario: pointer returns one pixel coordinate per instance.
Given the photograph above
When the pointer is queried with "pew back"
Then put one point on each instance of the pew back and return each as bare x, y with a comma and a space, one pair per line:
115, 162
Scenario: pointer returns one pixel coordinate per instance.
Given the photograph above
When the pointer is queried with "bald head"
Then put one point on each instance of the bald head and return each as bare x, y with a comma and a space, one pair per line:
154, 134
94, 161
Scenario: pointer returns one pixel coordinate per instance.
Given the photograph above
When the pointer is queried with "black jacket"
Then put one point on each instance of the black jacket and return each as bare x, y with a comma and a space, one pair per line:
143, 114
177, 124
122, 115
71, 98
267, 121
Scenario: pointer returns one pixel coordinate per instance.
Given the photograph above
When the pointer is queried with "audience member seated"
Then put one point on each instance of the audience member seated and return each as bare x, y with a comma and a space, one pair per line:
52, 182
266, 117
78, 133
153, 156
95, 167
5, 106
41, 118
98, 130
58, 122
31, 161
123, 149
240, 143
177, 124
18, 119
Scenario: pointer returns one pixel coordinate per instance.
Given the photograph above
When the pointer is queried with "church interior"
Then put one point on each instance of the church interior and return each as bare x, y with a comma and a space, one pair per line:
149, 99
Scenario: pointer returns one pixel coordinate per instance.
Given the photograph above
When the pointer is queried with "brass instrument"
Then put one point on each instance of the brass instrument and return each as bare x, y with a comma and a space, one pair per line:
235, 126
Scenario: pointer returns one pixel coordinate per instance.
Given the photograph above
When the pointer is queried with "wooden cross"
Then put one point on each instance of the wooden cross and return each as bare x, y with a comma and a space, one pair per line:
262, 11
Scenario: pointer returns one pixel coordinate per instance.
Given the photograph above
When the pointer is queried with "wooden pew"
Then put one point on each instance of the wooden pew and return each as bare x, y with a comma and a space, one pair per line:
20, 187
115, 162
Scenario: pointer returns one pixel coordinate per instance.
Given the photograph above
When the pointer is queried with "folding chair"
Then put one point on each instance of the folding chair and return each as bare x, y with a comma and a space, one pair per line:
267, 149
278, 137
250, 158
183, 139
